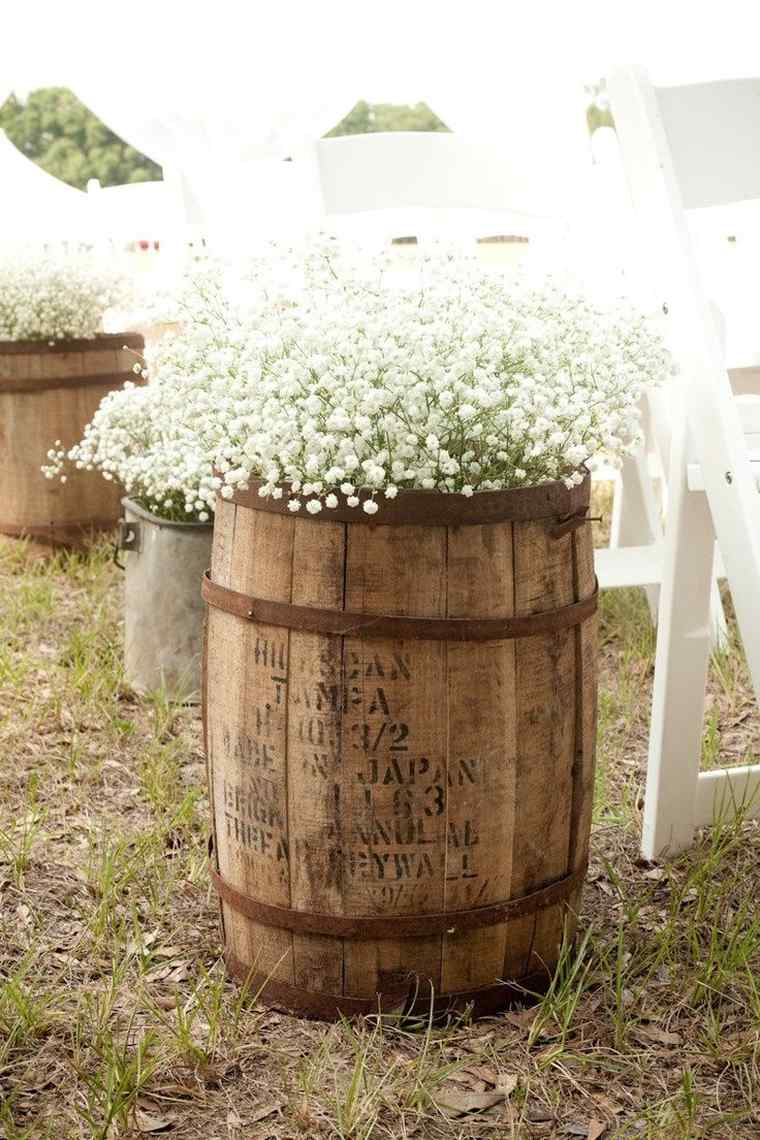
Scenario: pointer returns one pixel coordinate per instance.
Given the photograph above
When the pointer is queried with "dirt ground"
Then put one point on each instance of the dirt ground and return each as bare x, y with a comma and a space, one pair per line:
116, 1018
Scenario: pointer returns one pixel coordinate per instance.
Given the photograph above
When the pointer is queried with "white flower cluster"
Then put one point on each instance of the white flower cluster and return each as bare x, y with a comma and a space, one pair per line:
344, 383
132, 439
331, 379
46, 297
139, 437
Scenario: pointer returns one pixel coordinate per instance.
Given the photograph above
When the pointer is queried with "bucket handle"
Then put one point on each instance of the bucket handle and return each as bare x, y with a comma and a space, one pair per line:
129, 539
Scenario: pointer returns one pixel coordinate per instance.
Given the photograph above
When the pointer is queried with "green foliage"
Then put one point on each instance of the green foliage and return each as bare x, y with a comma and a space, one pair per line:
598, 113
365, 118
598, 117
66, 139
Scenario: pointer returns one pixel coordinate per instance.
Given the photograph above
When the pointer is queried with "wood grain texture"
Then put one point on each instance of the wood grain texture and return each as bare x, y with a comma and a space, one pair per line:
317, 698
482, 752
545, 680
584, 766
394, 743
378, 777
32, 421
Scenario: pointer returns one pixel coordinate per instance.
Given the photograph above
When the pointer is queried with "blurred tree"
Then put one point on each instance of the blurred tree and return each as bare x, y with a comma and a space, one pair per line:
598, 113
367, 117
64, 137
60, 134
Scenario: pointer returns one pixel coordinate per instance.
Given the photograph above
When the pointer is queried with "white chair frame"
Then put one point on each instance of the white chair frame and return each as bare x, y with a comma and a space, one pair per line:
684, 148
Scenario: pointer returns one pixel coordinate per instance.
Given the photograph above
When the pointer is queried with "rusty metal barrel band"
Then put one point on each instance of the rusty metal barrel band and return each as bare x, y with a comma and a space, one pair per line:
104, 341
405, 994
99, 380
54, 530
434, 508
371, 927
341, 623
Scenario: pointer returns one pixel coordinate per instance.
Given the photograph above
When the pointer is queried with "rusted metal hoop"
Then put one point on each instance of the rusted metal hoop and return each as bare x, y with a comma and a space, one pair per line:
404, 994
75, 344
341, 623
58, 530
370, 927
100, 380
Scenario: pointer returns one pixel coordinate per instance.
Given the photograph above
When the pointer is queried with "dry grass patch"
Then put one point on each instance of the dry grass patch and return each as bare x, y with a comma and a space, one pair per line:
116, 1018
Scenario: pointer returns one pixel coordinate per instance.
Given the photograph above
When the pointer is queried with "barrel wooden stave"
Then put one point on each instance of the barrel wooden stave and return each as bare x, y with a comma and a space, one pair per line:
40, 402
483, 792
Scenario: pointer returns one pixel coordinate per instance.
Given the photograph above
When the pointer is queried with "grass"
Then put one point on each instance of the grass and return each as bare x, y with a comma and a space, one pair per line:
116, 1018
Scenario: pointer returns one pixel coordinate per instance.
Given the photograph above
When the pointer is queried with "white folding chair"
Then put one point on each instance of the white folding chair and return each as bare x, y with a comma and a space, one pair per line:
684, 148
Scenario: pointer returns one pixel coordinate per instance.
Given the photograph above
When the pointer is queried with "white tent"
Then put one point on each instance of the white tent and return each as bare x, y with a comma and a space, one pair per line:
34, 205
138, 211
220, 94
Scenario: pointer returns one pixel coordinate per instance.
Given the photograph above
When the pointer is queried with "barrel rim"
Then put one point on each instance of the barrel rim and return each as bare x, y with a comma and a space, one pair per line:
73, 344
438, 508
143, 513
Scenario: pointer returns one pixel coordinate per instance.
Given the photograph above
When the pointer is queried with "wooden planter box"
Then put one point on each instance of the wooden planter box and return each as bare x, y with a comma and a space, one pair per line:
50, 390
400, 725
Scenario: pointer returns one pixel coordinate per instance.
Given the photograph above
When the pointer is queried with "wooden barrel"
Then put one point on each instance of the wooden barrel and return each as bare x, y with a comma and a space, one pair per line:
50, 390
400, 724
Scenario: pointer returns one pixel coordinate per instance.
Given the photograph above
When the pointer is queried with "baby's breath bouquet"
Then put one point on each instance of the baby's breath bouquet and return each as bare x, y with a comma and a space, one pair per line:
352, 383
330, 378
56, 297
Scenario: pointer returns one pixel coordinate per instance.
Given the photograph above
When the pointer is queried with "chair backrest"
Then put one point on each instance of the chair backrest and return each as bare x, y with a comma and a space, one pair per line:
713, 130
684, 148
412, 169
439, 182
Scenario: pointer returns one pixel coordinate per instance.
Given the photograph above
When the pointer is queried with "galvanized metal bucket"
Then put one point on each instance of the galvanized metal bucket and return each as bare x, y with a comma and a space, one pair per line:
163, 634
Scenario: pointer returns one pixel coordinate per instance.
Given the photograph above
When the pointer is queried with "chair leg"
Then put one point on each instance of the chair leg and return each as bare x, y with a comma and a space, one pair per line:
718, 624
683, 650
636, 514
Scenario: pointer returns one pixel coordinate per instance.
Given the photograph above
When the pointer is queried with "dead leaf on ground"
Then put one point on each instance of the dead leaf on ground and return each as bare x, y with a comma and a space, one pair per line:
661, 1036
521, 1018
149, 1122
607, 1105
162, 1002
596, 1129
538, 1114
461, 1103
477, 1073
265, 1111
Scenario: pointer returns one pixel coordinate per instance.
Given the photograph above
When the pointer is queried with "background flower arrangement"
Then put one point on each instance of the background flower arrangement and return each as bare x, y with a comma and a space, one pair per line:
140, 436
47, 297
